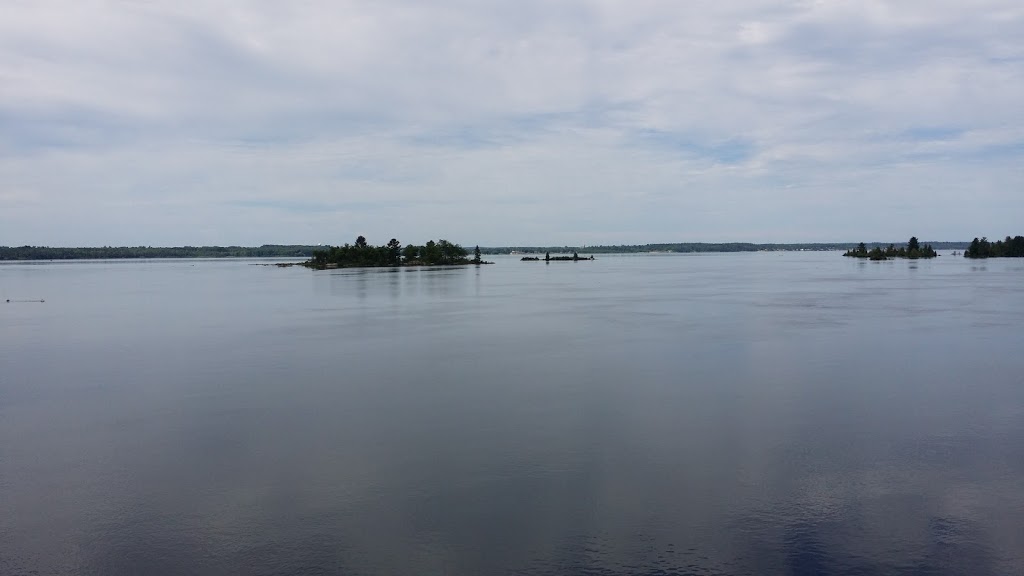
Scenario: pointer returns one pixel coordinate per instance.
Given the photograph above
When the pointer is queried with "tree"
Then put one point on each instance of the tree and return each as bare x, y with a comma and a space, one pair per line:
361, 242
861, 251
476, 255
974, 251
429, 254
1016, 248
394, 251
913, 245
411, 253
450, 253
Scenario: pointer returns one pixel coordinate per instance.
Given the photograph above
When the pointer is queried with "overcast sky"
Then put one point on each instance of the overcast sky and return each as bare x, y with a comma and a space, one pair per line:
527, 122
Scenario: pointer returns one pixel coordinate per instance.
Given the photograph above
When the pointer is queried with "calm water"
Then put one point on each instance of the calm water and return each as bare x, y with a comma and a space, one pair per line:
771, 413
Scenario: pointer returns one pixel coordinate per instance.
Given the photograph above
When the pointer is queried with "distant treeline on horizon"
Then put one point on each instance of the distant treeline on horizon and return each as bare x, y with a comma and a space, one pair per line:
690, 247
306, 251
120, 252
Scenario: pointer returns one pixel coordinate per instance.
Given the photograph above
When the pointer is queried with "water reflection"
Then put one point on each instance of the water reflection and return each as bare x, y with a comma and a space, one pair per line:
444, 281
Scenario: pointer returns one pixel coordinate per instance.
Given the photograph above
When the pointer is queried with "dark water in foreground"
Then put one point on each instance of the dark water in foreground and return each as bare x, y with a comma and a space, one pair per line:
777, 413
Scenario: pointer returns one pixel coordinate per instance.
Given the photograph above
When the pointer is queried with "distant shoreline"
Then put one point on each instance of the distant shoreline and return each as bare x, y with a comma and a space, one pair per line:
699, 247
17, 253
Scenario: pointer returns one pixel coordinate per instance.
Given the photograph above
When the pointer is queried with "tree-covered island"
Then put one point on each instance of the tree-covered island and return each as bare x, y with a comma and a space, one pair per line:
913, 250
549, 258
574, 258
1009, 248
362, 255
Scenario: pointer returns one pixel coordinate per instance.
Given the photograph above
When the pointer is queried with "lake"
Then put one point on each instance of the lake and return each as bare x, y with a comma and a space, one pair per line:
738, 414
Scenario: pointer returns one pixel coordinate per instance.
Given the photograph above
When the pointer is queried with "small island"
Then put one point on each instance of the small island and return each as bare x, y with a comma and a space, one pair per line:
1009, 248
392, 254
913, 251
549, 258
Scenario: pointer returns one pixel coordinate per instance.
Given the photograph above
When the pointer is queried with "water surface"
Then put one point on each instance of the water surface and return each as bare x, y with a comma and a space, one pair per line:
767, 413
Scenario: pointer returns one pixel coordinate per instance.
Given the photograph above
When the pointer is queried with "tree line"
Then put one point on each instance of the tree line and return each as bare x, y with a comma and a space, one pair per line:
699, 247
362, 254
1009, 248
119, 252
642, 248
913, 250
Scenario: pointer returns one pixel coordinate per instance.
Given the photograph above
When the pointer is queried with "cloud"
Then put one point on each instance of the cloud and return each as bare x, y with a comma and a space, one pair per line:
494, 123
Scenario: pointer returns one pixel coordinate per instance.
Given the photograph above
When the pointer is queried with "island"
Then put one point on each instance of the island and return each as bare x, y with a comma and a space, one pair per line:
1009, 248
549, 258
913, 250
392, 254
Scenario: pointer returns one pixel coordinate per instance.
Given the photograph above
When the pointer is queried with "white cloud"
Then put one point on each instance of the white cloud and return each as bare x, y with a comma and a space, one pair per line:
496, 123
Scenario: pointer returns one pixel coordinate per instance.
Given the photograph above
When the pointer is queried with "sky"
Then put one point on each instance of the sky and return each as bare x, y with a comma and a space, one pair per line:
534, 122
